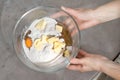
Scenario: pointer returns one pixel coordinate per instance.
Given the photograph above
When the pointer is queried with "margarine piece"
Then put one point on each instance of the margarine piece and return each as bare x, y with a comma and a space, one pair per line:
38, 44
52, 40
57, 50
44, 39
59, 28
66, 53
41, 25
58, 46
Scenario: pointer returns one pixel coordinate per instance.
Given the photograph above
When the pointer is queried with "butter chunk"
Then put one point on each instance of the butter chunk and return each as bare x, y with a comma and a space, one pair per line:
41, 25
44, 39
52, 40
59, 44
57, 50
59, 28
67, 53
38, 44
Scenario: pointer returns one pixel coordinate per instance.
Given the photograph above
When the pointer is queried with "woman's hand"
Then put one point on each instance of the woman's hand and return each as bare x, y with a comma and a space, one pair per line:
87, 62
87, 18
84, 17
92, 62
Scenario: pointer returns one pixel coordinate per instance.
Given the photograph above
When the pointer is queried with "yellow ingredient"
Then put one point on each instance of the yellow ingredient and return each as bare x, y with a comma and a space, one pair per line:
58, 46
44, 39
66, 53
41, 25
57, 50
38, 44
52, 40
59, 28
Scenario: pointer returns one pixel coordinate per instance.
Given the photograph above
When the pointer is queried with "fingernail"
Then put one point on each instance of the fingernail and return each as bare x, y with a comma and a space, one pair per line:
63, 7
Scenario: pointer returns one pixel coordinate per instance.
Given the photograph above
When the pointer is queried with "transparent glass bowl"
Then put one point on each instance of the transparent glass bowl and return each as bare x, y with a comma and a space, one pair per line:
26, 20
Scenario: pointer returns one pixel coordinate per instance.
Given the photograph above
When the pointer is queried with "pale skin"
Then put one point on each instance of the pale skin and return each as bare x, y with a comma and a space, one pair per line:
87, 18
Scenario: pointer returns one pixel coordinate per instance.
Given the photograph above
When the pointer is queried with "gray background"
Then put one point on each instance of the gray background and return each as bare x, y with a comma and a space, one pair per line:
103, 39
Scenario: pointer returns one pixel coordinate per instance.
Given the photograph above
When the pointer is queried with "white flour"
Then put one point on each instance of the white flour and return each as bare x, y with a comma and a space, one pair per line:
46, 54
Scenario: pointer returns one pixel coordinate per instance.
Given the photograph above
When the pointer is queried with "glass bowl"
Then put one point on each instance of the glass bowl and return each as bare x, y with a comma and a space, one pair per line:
24, 22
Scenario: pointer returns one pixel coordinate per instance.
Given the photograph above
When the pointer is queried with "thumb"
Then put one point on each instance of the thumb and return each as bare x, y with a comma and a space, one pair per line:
77, 61
72, 12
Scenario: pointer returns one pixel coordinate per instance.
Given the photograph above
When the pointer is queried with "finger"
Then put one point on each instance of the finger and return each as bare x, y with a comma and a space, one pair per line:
71, 27
58, 14
74, 13
74, 67
67, 21
79, 56
75, 31
70, 11
83, 53
76, 61
80, 9
78, 14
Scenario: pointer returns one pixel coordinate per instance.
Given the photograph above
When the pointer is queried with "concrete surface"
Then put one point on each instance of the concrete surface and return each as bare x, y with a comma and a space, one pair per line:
103, 39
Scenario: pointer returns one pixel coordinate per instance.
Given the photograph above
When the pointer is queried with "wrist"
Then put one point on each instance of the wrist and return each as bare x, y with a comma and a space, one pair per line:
103, 63
96, 15
107, 12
